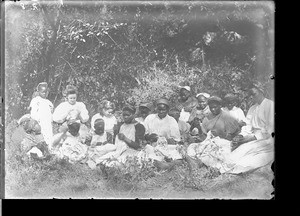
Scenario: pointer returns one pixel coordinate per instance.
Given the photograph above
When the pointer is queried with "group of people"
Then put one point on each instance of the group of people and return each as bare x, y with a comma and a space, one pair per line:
204, 128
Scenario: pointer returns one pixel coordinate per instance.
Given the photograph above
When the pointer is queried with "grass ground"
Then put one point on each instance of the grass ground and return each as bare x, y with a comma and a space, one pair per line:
30, 179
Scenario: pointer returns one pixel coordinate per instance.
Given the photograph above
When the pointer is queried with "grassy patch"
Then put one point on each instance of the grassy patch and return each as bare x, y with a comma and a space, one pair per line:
28, 178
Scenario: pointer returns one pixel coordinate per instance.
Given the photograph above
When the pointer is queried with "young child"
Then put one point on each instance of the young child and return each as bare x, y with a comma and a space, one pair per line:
99, 136
199, 113
41, 110
106, 109
69, 143
101, 143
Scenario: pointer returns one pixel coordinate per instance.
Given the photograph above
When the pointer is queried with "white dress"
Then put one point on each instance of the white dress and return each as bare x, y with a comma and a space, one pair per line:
64, 108
41, 111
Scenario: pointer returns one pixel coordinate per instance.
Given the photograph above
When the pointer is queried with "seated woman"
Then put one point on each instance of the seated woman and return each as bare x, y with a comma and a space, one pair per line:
184, 128
41, 110
33, 144
161, 124
162, 131
128, 140
236, 112
144, 111
69, 143
219, 129
71, 110
105, 112
254, 146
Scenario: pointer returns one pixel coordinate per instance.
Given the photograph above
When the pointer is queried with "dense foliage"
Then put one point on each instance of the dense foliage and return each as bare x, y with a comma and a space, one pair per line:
135, 52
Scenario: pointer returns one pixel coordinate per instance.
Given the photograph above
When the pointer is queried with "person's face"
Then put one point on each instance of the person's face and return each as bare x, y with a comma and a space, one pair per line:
215, 108
144, 112
255, 95
99, 127
108, 112
175, 115
43, 92
184, 94
230, 104
162, 110
127, 116
202, 102
71, 98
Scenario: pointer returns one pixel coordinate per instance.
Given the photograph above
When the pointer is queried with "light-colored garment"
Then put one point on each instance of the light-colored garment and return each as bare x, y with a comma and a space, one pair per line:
247, 156
63, 109
184, 129
200, 114
186, 108
140, 120
236, 113
260, 120
166, 127
213, 152
121, 150
109, 122
223, 124
72, 148
41, 111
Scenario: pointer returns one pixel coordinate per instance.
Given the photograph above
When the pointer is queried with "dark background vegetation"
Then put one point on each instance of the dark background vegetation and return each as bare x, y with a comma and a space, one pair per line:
137, 51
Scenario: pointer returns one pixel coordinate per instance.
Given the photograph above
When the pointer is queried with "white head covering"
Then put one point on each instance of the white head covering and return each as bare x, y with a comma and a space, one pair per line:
203, 94
186, 87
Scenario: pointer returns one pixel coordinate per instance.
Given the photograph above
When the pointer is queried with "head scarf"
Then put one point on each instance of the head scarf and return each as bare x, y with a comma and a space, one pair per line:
185, 87
40, 85
163, 101
147, 105
206, 95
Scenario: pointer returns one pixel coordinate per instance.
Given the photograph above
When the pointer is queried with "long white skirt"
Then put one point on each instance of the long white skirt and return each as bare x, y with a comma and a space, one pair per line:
216, 152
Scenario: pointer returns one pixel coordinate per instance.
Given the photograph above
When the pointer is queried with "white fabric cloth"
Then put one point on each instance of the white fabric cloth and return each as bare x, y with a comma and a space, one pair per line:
72, 148
64, 108
140, 120
236, 113
260, 120
109, 122
41, 111
184, 116
166, 127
